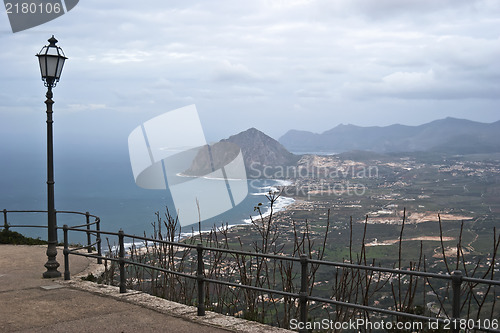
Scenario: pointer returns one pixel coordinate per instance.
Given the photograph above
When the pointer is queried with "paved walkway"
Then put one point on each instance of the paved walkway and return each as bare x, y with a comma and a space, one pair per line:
29, 303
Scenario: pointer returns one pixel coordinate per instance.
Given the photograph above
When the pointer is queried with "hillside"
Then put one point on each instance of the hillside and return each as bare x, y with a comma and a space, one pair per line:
260, 152
450, 135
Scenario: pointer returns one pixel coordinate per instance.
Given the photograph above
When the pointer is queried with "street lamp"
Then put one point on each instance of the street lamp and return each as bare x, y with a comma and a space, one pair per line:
51, 58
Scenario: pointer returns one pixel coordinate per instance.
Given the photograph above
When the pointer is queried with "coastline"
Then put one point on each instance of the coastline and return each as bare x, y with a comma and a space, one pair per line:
281, 205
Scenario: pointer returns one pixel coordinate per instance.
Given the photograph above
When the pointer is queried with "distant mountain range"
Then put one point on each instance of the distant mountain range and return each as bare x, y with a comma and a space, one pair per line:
450, 135
263, 153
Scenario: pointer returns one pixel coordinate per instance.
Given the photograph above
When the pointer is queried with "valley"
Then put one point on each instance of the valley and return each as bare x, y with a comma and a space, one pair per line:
382, 190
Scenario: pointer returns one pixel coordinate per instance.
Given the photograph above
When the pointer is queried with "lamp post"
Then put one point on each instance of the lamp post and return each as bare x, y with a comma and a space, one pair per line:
51, 59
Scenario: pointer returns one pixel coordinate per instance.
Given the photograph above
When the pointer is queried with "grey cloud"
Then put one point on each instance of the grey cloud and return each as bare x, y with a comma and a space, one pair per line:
227, 71
421, 85
313, 93
396, 9
272, 60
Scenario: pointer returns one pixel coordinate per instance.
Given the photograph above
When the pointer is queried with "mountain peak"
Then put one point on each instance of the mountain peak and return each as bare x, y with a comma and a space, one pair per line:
260, 152
251, 132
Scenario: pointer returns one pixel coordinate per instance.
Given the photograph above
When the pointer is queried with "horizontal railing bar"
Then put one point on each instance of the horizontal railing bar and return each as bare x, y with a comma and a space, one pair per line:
84, 247
373, 309
78, 213
283, 293
243, 253
191, 246
26, 211
89, 255
57, 211
82, 225
25, 226
92, 244
380, 269
237, 285
476, 280
85, 231
253, 254
131, 263
89, 231
80, 248
189, 276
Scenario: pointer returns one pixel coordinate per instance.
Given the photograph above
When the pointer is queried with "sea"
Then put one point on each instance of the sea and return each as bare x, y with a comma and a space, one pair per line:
104, 186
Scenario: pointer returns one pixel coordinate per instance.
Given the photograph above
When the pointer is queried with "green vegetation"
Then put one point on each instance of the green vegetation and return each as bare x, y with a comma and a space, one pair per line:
15, 238
91, 277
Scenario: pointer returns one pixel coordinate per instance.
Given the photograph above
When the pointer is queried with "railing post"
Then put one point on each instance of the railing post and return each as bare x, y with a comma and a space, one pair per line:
87, 219
121, 254
303, 290
456, 280
201, 280
5, 223
98, 232
66, 253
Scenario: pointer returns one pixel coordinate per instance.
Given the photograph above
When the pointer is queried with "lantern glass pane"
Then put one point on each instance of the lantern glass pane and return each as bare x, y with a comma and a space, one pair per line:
43, 68
51, 66
60, 67
52, 51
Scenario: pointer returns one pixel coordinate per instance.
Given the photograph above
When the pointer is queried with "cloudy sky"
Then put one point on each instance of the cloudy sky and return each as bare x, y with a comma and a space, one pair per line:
271, 64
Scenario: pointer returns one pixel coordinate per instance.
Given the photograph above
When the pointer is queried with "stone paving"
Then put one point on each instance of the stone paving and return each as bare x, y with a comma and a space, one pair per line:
29, 303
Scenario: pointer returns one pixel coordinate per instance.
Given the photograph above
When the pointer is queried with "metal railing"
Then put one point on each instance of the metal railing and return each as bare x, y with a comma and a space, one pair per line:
455, 322
88, 227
